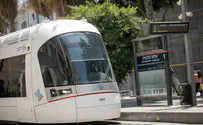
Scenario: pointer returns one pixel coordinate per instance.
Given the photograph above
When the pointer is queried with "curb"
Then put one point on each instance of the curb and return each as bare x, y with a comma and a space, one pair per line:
173, 117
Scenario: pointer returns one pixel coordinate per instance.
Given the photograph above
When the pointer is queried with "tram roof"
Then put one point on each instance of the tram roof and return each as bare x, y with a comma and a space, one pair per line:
33, 31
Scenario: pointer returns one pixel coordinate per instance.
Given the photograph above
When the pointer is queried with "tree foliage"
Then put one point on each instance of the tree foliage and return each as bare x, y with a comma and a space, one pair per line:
59, 7
40, 7
1, 26
8, 12
156, 4
47, 7
117, 26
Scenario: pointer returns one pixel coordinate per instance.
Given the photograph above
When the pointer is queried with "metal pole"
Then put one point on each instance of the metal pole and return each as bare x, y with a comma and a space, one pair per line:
139, 102
166, 67
188, 56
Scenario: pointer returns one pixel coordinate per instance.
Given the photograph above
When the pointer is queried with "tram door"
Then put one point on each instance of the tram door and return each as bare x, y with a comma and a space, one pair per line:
25, 100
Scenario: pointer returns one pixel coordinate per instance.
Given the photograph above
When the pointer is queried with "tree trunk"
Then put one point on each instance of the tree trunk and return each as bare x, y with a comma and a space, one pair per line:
12, 26
37, 17
148, 9
63, 13
57, 14
6, 21
164, 14
5, 29
138, 7
51, 17
149, 14
46, 12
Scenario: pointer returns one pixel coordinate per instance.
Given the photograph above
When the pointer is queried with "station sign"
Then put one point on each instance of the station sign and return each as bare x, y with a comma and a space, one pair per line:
168, 27
151, 60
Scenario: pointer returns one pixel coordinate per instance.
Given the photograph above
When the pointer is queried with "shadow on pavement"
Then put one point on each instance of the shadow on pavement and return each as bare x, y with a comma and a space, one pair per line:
85, 123
98, 123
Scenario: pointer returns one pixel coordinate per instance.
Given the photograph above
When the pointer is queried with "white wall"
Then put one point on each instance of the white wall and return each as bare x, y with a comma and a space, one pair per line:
26, 15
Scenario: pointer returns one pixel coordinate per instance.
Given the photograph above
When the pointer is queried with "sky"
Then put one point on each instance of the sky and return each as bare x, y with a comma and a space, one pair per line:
21, 1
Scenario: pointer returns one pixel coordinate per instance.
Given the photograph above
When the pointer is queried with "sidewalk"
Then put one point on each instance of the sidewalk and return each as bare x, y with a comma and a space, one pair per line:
159, 111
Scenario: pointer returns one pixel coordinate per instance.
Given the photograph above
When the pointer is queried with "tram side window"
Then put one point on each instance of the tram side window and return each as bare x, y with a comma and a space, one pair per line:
12, 77
54, 68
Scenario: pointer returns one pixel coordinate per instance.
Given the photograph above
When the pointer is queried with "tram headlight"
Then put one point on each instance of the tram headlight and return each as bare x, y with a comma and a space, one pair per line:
66, 92
53, 92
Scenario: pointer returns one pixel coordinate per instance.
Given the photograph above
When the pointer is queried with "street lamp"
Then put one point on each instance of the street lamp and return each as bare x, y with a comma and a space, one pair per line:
179, 3
188, 14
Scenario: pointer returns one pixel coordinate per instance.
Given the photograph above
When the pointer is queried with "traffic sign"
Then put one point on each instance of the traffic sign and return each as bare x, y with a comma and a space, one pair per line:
168, 27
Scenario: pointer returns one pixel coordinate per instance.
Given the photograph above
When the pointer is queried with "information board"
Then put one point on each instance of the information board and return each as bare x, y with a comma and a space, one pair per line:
168, 27
151, 61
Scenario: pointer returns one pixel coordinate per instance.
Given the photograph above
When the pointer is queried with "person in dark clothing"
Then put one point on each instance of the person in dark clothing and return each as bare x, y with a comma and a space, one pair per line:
198, 78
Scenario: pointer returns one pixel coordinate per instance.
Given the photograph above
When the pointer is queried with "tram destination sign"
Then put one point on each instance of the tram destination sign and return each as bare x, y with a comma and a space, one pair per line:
168, 27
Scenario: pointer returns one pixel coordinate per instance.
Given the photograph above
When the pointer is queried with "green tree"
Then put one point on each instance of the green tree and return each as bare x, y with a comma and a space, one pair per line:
117, 26
145, 8
8, 12
156, 5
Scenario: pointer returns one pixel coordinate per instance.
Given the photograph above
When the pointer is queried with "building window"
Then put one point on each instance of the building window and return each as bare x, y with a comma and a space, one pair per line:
33, 16
12, 77
24, 25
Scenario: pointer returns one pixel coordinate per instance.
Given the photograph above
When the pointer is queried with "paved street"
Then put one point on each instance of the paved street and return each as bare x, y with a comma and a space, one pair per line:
112, 122
128, 123
153, 110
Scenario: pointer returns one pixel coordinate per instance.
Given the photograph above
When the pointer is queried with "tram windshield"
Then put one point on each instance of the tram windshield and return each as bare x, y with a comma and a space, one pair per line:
84, 55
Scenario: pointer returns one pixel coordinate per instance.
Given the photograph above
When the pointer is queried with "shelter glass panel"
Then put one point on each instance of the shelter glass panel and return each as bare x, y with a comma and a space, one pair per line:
150, 45
152, 82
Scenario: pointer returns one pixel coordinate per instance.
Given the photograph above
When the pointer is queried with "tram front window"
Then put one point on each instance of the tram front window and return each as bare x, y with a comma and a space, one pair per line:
88, 56
77, 56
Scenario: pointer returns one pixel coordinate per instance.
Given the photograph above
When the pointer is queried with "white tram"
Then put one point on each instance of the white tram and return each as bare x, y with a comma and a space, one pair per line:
56, 72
